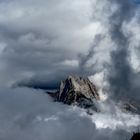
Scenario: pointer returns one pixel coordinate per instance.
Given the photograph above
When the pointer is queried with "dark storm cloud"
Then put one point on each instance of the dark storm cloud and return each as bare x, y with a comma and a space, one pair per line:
33, 53
43, 81
42, 38
121, 72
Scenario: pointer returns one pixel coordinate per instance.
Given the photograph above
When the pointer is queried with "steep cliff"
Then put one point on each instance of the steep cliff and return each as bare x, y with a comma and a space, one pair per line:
78, 91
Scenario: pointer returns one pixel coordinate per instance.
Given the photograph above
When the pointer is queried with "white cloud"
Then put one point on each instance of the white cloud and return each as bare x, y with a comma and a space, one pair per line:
31, 114
72, 63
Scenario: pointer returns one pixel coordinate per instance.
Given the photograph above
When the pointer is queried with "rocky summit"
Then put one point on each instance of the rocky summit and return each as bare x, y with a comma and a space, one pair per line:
129, 106
78, 91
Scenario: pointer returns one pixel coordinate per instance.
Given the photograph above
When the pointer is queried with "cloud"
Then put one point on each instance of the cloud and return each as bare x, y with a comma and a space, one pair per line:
31, 114
122, 74
51, 38
116, 54
40, 36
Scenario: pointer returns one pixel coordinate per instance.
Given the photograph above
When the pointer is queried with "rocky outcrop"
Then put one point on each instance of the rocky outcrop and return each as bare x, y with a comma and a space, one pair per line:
78, 91
129, 106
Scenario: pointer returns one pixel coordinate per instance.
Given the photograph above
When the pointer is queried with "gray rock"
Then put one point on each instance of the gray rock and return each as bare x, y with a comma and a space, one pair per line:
78, 91
129, 106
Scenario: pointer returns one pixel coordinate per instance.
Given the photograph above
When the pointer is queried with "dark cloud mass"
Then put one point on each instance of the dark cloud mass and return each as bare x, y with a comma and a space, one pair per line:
43, 37
122, 75
42, 42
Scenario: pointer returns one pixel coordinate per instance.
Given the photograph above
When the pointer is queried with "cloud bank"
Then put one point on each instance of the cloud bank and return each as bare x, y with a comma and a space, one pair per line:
31, 114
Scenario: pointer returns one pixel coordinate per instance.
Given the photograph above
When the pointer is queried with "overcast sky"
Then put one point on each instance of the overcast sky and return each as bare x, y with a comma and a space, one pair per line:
44, 37
43, 41
46, 40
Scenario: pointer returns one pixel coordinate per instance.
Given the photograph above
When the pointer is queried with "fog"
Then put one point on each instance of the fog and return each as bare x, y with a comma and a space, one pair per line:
32, 114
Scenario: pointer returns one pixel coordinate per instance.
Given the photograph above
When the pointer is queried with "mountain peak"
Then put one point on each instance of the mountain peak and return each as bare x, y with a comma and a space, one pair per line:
77, 85
79, 91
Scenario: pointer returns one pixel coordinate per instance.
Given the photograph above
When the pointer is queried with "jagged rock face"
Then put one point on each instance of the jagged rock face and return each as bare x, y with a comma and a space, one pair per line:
78, 91
130, 106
